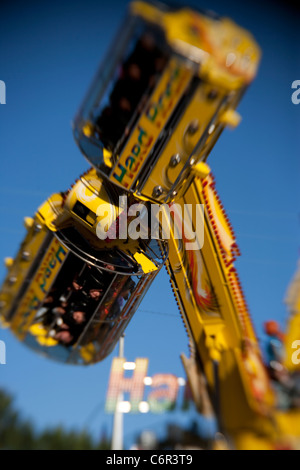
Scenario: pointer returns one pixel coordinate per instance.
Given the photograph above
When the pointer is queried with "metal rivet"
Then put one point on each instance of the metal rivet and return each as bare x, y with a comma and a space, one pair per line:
193, 127
157, 191
37, 228
25, 256
211, 129
212, 95
245, 62
230, 59
175, 159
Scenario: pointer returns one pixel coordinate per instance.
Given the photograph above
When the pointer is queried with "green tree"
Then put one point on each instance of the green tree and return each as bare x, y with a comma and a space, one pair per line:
19, 434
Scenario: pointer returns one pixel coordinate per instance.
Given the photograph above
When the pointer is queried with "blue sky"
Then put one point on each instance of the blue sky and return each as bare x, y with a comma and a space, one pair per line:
49, 54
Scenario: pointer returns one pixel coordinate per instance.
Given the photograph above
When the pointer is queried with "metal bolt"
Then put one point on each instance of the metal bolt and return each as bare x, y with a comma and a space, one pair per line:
157, 191
25, 256
193, 127
175, 159
212, 95
245, 61
211, 129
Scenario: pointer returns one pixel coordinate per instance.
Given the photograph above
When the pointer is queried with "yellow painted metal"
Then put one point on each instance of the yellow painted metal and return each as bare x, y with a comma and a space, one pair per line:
8, 262
224, 57
28, 222
98, 209
214, 309
107, 158
231, 118
38, 288
228, 54
41, 335
162, 103
201, 169
198, 116
146, 264
204, 279
19, 269
292, 336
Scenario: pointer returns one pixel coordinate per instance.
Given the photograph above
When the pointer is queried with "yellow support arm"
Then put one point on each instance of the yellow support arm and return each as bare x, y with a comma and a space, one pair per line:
210, 297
